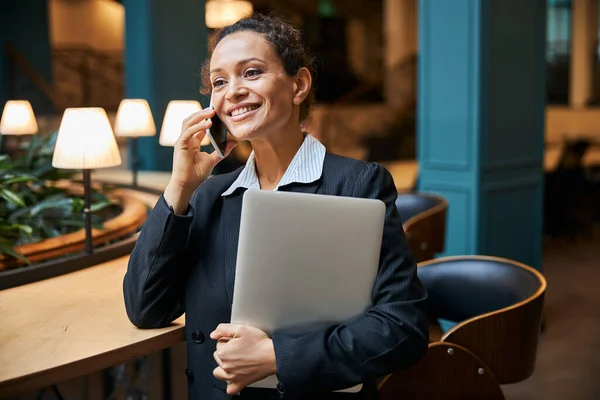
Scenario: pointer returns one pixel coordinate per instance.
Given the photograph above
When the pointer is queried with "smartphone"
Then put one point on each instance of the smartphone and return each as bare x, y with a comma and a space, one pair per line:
217, 133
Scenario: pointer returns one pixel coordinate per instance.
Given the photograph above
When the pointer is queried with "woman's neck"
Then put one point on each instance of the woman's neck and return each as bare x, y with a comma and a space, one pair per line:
273, 156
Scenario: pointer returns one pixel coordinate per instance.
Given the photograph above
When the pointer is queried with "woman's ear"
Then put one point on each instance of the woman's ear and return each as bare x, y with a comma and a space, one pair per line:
302, 85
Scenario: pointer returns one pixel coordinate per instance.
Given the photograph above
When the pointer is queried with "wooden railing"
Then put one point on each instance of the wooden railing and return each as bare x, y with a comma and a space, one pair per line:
36, 78
89, 77
83, 77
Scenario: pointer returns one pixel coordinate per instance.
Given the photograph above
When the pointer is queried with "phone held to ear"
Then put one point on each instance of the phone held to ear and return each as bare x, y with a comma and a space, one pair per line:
217, 133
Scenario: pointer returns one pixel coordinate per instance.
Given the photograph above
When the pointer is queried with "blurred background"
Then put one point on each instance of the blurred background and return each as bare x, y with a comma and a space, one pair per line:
492, 104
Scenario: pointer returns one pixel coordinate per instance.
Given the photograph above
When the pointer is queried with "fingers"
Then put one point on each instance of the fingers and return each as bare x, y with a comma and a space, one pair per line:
195, 129
197, 117
222, 342
223, 375
196, 122
218, 359
233, 387
225, 330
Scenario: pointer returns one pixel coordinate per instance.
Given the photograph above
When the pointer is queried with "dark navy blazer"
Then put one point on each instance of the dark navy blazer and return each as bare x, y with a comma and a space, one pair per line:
186, 263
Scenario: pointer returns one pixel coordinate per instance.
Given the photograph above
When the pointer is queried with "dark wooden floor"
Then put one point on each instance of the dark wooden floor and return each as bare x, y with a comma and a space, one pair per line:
568, 364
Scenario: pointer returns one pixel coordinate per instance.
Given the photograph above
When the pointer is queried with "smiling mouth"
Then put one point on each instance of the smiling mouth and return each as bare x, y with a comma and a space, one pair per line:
243, 110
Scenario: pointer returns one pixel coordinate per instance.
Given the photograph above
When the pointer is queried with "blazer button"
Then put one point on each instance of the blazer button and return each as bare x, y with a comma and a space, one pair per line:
189, 374
198, 337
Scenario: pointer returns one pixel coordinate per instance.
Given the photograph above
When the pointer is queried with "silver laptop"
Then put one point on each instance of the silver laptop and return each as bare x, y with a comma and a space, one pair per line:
305, 261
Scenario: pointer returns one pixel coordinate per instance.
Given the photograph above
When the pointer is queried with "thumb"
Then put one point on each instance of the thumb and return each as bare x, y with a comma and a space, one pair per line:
225, 331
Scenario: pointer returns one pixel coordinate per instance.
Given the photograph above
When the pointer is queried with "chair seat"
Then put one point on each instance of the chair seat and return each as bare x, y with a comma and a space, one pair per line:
435, 332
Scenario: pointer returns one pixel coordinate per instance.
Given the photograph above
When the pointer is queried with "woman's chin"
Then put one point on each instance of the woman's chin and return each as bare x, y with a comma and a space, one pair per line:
244, 134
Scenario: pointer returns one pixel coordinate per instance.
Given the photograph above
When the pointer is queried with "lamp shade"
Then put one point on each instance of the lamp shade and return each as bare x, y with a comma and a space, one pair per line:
18, 119
220, 13
85, 140
134, 119
177, 111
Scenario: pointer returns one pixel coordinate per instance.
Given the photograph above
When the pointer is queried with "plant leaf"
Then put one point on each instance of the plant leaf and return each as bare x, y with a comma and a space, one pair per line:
5, 162
15, 227
18, 179
58, 201
6, 248
101, 205
12, 197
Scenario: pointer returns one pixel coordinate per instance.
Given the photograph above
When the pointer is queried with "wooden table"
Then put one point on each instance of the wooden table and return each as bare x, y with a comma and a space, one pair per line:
70, 326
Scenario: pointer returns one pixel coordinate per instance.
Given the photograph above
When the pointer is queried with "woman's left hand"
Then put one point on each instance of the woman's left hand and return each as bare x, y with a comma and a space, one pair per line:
244, 354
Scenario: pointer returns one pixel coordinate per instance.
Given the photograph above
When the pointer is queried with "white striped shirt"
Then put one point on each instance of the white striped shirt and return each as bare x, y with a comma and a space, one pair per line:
305, 167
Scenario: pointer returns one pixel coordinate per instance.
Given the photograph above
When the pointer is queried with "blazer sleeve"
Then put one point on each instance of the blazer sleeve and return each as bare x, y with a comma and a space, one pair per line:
154, 283
391, 335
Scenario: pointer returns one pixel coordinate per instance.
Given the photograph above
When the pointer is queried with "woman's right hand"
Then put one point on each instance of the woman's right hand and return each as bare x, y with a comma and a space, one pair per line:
191, 166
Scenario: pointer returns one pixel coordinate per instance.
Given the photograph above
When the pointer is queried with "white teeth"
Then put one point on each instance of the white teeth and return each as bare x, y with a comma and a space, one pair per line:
243, 110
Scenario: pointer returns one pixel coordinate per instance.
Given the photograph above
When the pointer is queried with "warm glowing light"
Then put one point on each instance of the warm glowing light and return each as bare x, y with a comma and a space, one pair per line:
220, 13
85, 140
18, 119
134, 119
177, 111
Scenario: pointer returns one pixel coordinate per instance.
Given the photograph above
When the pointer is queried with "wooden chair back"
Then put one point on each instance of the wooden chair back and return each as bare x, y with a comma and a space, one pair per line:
500, 323
424, 221
446, 372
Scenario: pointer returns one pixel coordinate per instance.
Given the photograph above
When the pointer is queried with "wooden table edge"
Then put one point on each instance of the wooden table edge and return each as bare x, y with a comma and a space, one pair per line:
91, 364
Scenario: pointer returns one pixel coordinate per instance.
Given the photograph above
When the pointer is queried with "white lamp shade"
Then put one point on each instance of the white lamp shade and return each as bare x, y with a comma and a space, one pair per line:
220, 13
177, 111
18, 119
85, 140
134, 119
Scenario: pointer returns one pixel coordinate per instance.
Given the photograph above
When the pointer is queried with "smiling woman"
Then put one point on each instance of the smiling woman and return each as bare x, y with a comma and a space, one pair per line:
260, 78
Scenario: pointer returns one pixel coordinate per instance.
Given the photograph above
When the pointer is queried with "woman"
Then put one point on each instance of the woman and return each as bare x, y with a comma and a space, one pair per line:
184, 260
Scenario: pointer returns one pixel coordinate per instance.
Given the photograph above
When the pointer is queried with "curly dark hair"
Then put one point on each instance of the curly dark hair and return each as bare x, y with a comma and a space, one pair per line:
287, 41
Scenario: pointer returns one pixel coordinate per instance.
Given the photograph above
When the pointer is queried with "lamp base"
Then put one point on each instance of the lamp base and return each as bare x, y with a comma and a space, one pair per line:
87, 210
135, 162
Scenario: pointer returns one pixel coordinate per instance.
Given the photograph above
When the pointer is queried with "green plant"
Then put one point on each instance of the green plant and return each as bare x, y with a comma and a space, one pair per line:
33, 206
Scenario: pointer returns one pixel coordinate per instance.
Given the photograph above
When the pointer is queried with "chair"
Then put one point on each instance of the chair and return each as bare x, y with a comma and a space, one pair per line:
498, 306
424, 221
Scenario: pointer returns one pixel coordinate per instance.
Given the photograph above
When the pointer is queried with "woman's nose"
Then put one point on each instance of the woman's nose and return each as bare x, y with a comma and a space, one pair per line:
235, 91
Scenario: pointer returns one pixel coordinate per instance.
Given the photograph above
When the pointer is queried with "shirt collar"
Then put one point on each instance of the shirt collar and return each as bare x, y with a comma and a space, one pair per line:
305, 167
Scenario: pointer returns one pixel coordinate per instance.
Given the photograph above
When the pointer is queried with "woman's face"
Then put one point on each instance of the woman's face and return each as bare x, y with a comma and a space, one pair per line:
252, 93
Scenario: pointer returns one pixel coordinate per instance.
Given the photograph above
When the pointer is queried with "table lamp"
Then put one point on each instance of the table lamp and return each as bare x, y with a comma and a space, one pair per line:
134, 119
18, 119
86, 141
177, 111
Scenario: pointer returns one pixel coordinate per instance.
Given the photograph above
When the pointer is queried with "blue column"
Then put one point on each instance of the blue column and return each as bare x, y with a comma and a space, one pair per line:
481, 122
165, 46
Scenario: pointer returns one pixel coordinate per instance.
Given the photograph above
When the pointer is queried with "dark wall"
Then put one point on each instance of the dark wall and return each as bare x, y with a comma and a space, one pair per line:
25, 25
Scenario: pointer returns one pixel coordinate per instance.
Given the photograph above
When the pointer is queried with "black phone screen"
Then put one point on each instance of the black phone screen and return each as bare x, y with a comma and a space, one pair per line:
218, 131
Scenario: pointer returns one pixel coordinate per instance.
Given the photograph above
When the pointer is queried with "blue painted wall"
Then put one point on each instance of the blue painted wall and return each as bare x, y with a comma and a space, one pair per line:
165, 45
481, 122
25, 25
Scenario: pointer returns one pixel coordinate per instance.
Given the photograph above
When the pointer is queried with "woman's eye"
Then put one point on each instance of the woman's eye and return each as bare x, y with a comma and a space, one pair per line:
253, 72
218, 82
